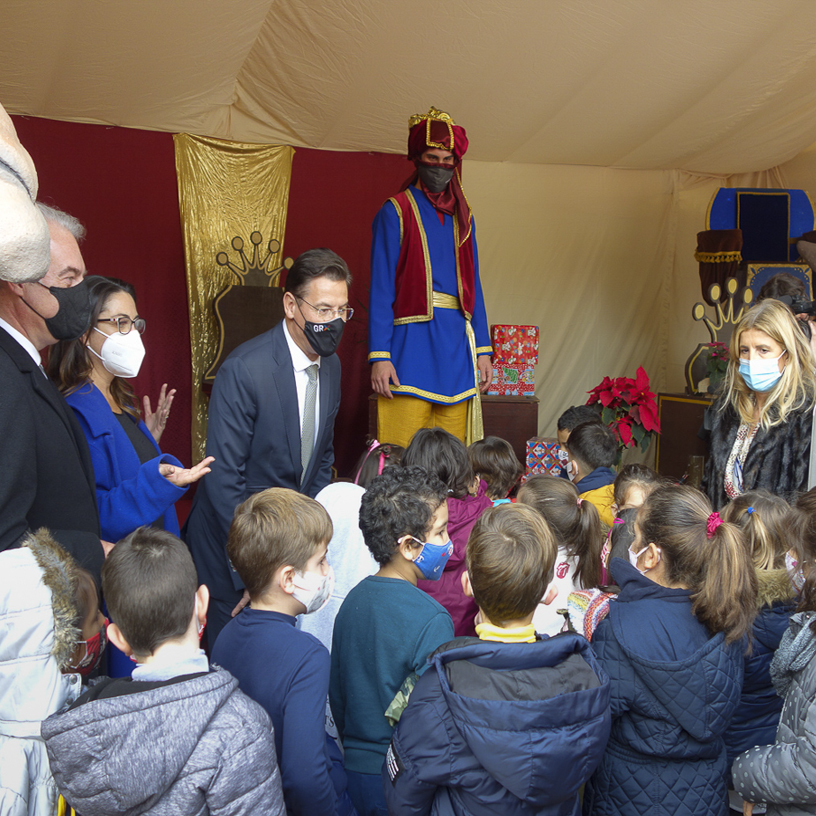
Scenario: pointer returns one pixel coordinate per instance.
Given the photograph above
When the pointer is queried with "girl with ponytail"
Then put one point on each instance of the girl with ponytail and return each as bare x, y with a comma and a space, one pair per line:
764, 520
783, 775
577, 529
672, 645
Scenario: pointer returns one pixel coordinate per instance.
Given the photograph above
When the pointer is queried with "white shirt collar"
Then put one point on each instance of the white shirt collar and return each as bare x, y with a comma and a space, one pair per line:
300, 362
24, 341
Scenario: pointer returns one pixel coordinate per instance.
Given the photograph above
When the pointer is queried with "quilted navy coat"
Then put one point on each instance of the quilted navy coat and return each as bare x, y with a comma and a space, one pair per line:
757, 717
500, 728
784, 774
674, 688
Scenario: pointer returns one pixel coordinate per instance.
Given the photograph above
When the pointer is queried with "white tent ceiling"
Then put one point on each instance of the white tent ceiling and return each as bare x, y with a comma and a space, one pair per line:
722, 86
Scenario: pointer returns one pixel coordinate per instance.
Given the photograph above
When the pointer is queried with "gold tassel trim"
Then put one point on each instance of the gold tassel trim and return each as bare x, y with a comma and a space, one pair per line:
718, 257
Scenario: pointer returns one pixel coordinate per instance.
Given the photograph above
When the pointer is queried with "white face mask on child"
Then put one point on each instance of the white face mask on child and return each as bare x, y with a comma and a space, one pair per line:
633, 559
313, 590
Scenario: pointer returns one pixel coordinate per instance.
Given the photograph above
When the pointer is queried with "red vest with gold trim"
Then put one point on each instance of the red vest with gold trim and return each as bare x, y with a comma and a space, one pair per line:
413, 301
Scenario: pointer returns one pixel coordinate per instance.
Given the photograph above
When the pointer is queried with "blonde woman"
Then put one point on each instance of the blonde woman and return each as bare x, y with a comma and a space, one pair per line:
760, 435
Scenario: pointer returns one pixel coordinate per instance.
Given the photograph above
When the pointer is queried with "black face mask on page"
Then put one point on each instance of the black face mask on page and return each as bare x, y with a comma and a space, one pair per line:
435, 177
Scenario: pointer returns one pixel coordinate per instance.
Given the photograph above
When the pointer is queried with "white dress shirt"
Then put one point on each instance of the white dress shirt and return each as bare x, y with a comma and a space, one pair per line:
300, 362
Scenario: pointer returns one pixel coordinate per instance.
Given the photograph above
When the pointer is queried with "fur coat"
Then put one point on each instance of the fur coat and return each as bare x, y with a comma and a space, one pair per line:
777, 460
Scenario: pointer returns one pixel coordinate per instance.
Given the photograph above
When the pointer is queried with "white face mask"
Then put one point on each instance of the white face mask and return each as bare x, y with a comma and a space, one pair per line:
567, 464
633, 558
313, 590
795, 572
122, 354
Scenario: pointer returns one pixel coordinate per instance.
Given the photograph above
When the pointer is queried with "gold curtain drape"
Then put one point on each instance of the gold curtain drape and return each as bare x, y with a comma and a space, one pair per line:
226, 189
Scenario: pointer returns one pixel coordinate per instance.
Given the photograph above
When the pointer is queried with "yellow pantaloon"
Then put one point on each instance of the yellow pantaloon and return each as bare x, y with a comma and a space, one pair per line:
399, 418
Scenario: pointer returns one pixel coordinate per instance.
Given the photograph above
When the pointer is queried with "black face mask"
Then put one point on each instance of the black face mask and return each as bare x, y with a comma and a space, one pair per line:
435, 177
324, 337
73, 318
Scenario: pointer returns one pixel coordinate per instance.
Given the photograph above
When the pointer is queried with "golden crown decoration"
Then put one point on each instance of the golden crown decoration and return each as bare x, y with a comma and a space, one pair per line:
722, 325
433, 113
254, 271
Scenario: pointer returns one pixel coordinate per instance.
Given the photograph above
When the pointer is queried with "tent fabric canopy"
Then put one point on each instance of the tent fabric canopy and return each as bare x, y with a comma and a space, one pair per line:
716, 88
599, 132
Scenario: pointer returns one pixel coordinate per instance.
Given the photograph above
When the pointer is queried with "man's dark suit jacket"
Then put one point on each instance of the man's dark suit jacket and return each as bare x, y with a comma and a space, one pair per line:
254, 434
46, 476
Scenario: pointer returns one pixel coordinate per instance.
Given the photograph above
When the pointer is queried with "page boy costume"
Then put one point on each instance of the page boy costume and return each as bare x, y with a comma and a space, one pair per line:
427, 313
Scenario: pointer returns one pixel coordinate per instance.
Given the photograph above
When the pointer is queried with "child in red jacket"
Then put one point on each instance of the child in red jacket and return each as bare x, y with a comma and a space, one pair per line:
442, 454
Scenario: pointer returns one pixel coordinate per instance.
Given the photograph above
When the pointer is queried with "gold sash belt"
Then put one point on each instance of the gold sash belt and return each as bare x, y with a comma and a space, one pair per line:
475, 423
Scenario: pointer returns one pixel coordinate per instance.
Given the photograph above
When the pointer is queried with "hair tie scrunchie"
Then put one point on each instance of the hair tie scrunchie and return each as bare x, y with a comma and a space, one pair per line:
374, 444
618, 520
580, 501
714, 521
749, 510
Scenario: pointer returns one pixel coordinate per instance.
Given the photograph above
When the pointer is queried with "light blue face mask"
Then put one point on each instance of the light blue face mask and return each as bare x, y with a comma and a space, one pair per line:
761, 375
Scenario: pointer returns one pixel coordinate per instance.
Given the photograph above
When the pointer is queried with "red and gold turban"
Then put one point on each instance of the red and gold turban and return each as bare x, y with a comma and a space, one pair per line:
435, 129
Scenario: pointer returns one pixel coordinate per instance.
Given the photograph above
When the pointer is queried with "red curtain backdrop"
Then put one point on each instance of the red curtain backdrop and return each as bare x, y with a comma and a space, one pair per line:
121, 183
332, 202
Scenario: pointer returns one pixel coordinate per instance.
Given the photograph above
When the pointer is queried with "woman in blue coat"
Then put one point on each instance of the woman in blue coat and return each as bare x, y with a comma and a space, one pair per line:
136, 484
673, 646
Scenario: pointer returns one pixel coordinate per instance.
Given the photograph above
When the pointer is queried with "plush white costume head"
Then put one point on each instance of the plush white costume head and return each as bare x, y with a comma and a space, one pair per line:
24, 242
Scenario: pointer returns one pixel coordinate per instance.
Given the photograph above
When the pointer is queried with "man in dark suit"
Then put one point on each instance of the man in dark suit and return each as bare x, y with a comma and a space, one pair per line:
47, 478
271, 418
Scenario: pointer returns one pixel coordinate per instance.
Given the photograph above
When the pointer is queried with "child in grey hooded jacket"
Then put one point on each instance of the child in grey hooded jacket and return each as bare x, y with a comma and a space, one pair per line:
179, 736
784, 774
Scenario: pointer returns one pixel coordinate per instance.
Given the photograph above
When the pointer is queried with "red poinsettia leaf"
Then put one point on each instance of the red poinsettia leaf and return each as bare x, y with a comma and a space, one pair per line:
598, 390
649, 418
625, 431
634, 412
642, 379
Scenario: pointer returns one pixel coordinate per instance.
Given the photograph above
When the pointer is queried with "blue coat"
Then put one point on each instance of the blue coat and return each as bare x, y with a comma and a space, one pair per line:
504, 728
674, 688
129, 493
757, 717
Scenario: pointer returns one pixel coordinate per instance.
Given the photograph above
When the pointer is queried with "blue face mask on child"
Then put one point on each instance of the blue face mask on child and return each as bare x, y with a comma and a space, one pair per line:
432, 558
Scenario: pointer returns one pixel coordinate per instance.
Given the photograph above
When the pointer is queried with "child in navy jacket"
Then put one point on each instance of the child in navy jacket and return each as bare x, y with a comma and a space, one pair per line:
672, 645
278, 542
507, 723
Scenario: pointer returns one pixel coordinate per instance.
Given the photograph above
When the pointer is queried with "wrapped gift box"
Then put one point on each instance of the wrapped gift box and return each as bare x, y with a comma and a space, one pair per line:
515, 346
515, 355
542, 456
511, 380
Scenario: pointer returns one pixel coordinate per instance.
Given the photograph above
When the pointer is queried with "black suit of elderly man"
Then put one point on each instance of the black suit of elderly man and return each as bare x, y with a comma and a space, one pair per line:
46, 478
271, 418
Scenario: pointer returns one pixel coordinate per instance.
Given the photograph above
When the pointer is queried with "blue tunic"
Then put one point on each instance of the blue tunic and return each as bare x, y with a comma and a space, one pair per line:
432, 358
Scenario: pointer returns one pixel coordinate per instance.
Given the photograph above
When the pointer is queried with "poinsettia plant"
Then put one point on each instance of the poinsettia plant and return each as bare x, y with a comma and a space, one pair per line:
628, 409
717, 356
